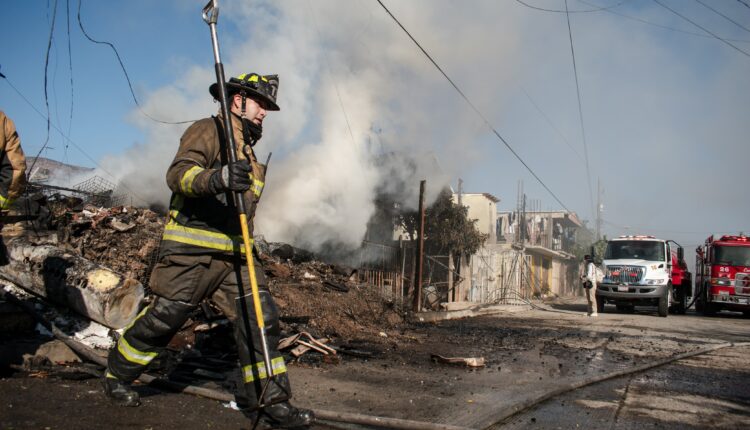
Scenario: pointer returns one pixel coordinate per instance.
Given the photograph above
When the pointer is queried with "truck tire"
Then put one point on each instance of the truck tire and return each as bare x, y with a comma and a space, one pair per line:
664, 304
700, 301
680, 305
707, 309
599, 305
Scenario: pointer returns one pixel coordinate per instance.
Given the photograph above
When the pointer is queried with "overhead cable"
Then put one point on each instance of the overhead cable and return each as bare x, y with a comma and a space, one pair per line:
46, 96
473, 107
127, 77
572, 11
643, 21
723, 16
70, 67
580, 115
745, 3
659, 230
85, 154
702, 28
330, 74
549, 121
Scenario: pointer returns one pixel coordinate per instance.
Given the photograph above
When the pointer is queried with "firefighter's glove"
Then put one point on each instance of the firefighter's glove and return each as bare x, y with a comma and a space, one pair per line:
232, 177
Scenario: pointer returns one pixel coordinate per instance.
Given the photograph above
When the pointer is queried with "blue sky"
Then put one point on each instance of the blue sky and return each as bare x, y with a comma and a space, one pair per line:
153, 39
665, 112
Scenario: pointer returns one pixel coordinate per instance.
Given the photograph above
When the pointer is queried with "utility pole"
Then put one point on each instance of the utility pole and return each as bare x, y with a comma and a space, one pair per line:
598, 209
523, 219
454, 295
460, 191
416, 306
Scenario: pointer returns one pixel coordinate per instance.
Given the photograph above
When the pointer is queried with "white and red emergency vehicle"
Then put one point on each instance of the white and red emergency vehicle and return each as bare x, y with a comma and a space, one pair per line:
722, 279
644, 270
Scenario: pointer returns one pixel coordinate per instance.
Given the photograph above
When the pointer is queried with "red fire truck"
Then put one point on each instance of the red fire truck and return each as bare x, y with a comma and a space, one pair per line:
722, 279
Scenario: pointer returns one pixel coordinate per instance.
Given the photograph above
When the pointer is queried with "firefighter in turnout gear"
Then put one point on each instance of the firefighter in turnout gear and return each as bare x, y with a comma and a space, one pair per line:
202, 256
12, 163
12, 171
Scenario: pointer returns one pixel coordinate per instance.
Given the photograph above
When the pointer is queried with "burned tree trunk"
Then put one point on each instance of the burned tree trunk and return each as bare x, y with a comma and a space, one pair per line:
65, 278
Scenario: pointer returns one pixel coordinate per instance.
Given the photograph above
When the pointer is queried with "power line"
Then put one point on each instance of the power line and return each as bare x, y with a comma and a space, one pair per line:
127, 77
549, 121
330, 74
46, 97
697, 25
85, 154
476, 110
643, 21
70, 67
629, 227
723, 16
580, 114
744, 3
572, 11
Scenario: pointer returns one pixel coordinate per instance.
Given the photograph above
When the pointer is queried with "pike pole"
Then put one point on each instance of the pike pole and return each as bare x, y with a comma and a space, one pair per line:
211, 16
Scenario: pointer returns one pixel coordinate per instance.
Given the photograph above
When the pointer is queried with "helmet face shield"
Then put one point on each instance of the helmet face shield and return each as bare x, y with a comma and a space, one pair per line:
258, 87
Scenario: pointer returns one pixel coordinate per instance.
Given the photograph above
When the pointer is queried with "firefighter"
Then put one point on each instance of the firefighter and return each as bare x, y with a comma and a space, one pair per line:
201, 256
12, 170
589, 284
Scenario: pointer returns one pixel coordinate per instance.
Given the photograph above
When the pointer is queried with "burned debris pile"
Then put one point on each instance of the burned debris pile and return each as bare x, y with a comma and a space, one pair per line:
330, 301
96, 262
123, 238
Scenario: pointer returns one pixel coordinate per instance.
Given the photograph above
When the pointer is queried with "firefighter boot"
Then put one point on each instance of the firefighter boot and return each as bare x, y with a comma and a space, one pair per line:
285, 416
119, 392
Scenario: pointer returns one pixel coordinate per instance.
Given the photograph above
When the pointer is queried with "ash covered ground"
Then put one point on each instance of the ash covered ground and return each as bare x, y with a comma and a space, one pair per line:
384, 364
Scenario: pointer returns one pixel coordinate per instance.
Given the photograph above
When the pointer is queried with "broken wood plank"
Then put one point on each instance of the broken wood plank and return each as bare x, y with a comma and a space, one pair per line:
67, 279
466, 361
317, 345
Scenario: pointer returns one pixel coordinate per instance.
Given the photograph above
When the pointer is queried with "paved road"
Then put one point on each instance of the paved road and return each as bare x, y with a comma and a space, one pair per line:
533, 352
705, 391
528, 354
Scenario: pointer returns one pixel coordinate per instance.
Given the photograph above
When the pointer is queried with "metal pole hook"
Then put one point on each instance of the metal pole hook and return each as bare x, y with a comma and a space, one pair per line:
211, 12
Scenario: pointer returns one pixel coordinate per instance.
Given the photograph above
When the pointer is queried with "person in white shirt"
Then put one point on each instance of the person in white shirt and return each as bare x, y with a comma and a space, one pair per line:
589, 284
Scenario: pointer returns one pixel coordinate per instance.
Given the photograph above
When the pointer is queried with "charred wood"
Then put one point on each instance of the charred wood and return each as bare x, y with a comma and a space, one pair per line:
67, 279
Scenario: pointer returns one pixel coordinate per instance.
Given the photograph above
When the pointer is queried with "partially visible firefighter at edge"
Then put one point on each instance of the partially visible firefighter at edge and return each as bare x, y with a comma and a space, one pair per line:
202, 256
12, 170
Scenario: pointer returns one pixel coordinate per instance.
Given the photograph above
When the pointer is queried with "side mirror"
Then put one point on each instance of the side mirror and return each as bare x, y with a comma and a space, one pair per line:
680, 253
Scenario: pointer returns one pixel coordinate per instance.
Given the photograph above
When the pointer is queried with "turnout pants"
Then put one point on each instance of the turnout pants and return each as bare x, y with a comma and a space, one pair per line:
180, 283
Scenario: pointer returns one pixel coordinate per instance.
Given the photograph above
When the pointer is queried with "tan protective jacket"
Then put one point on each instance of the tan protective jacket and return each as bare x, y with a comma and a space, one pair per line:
200, 221
12, 163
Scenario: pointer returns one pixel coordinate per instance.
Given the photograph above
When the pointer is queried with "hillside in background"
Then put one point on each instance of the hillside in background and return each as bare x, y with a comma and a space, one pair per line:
55, 172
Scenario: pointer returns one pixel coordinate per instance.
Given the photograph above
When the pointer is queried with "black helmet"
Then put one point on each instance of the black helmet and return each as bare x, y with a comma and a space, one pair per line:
252, 85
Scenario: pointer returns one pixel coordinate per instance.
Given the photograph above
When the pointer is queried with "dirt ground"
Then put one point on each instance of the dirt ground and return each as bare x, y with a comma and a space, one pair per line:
528, 352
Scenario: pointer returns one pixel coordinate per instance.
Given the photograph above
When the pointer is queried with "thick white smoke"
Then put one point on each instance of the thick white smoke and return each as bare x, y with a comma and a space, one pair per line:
352, 89
660, 107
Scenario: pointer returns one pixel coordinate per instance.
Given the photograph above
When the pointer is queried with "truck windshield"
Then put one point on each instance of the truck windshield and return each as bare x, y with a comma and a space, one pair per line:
635, 249
732, 255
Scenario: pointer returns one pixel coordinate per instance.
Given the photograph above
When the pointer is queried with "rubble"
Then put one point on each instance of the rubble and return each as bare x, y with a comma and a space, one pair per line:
66, 278
325, 308
305, 342
464, 361
105, 235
